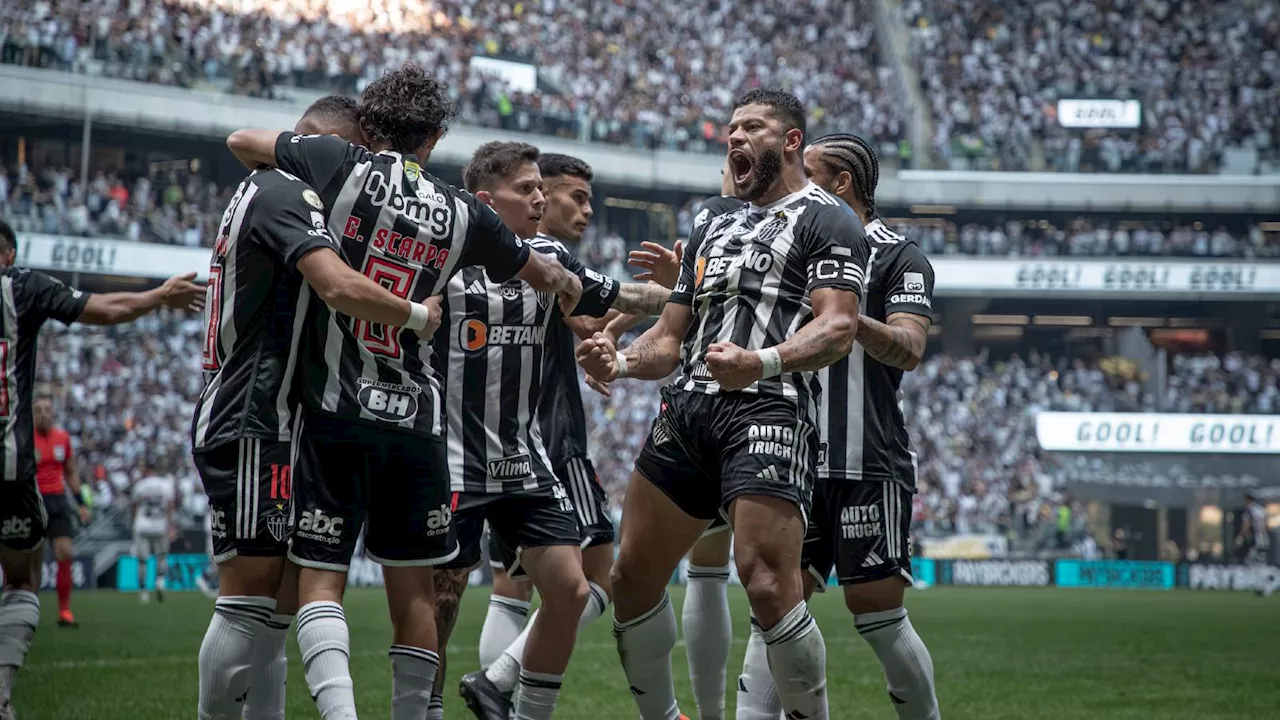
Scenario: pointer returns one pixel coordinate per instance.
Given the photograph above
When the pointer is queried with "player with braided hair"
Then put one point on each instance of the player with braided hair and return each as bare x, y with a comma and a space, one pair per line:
862, 501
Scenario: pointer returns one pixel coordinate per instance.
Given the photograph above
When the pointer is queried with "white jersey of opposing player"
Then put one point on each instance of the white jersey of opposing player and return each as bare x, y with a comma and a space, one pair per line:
152, 496
1258, 523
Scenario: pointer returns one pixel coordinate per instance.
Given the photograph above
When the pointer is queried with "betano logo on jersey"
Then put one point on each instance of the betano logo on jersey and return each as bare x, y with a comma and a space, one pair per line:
751, 258
388, 401
474, 335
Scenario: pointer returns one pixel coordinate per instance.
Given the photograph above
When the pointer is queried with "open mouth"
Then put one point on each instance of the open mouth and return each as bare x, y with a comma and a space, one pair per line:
740, 166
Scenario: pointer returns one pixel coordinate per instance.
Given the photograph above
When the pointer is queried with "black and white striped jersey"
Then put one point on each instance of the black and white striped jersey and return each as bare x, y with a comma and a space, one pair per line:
492, 350
28, 299
860, 422
411, 232
747, 275
255, 306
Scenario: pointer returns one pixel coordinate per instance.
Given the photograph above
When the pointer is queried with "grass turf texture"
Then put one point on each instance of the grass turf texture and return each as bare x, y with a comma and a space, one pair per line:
998, 653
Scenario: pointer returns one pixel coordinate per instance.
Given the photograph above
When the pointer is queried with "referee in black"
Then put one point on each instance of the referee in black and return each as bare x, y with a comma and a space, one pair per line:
28, 299
861, 515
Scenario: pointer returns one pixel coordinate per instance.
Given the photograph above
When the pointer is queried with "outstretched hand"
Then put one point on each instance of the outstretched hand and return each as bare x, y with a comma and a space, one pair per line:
658, 264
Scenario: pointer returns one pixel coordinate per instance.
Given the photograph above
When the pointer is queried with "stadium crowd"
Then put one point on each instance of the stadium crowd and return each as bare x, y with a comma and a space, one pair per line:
640, 72
126, 395
1207, 73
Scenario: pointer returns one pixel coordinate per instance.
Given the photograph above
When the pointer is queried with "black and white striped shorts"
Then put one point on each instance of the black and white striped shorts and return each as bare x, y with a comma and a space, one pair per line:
250, 487
579, 477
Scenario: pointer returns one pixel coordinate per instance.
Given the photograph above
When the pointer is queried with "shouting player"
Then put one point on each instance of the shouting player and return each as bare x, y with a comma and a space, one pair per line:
373, 443
56, 473
274, 263
869, 475
28, 299
154, 527
503, 345
767, 295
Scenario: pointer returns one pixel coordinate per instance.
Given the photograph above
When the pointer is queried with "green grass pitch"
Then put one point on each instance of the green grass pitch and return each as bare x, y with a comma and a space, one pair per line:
998, 653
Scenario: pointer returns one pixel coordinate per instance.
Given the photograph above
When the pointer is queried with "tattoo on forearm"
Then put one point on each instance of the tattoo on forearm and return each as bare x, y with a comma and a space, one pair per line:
814, 349
641, 298
895, 345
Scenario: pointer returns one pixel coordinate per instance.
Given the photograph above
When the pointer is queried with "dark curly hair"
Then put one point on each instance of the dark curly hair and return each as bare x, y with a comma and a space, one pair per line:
404, 108
494, 161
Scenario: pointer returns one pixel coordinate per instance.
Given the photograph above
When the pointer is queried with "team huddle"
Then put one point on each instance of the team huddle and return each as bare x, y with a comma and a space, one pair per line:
394, 360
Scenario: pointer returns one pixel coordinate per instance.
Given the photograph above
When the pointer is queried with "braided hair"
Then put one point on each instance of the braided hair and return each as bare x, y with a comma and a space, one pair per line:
854, 155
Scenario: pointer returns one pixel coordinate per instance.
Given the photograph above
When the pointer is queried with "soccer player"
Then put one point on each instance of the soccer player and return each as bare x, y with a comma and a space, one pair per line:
1254, 537
28, 299
154, 527
56, 473
274, 263
373, 443
862, 503
502, 345
767, 295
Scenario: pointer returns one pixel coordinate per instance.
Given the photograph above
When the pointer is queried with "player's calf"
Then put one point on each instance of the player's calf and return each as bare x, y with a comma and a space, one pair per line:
414, 661
768, 533
449, 583
270, 666
557, 574
707, 625
506, 617
19, 612
247, 586
882, 621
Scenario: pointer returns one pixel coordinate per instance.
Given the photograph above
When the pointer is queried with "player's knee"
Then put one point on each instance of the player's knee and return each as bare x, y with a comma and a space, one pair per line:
768, 589
877, 596
566, 599
20, 571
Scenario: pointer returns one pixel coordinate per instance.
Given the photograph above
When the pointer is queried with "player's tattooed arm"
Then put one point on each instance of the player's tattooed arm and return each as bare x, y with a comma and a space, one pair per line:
641, 298
653, 356
898, 343
825, 339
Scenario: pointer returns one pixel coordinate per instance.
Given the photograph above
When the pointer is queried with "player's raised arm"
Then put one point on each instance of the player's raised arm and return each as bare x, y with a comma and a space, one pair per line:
179, 291
492, 244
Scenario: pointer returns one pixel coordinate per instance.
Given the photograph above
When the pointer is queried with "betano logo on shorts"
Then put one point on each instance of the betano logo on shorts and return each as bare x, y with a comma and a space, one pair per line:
774, 440
860, 521
515, 467
321, 528
388, 401
474, 335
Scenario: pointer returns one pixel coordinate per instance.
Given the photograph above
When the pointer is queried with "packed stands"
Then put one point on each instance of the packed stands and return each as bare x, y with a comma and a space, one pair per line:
639, 72
1207, 73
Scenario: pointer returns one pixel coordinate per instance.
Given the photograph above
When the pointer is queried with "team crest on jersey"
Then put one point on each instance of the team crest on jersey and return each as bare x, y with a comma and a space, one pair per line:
278, 523
412, 170
312, 199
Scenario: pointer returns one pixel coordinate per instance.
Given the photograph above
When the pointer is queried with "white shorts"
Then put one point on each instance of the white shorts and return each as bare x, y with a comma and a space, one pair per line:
146, 544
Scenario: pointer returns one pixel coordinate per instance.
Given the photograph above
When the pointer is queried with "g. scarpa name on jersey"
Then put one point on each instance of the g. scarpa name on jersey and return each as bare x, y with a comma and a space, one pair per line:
430, 212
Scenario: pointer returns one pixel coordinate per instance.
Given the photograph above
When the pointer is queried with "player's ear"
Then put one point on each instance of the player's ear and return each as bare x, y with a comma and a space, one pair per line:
435, 138
793, 140
844, 181
485, 197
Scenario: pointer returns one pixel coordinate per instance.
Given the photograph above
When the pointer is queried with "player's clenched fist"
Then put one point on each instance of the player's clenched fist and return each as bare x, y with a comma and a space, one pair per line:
598, 356
733, 367
435, 314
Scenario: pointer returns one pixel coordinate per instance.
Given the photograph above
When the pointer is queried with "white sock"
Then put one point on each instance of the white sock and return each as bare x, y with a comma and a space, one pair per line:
757, 698
536, 697
644, 646
502, 625
798, 663
435, 709
325, 643
504, 673
908, 669
270, 671
413, 673
19, 617
226, 655
708, 635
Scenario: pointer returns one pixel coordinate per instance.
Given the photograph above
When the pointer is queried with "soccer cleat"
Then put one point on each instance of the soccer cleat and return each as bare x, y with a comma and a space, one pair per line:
483, 698
67, 620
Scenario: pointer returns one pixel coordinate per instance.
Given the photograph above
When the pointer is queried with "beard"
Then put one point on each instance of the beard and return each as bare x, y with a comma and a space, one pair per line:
766, 172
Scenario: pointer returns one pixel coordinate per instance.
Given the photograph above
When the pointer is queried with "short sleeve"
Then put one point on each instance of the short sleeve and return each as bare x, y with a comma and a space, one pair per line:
317, 159
53, 299
288, 221
491, 244
687, 282
598, 290
835, 250
909, 283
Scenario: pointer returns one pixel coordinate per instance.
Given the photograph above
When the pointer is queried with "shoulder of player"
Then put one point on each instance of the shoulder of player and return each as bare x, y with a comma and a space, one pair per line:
547, 244
278, 189
716, 206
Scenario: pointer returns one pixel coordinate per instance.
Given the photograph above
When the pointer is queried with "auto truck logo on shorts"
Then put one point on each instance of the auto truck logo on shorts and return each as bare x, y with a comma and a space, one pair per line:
773, 440
387, 401
321, 528
515, 467
861, 521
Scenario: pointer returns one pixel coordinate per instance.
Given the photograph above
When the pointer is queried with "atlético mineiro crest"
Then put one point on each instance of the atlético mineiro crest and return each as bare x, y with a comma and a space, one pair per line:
277, 524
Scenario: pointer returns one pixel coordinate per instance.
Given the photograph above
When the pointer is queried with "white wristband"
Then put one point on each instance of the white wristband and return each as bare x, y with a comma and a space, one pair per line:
622, 365
772, 362
418, 316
